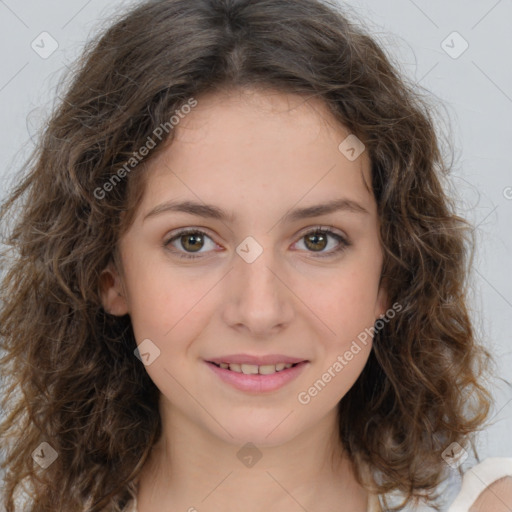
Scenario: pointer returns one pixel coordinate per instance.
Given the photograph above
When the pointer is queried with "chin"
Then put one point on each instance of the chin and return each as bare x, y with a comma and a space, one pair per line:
263, 429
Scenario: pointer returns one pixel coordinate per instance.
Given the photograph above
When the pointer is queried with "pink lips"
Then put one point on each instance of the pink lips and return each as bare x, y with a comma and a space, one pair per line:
257, 383
259, 360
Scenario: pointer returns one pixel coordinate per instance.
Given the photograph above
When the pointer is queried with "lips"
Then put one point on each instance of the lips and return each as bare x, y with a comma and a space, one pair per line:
269, 359
257, 379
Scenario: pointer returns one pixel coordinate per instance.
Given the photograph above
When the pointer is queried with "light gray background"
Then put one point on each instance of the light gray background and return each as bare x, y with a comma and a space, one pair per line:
475, 87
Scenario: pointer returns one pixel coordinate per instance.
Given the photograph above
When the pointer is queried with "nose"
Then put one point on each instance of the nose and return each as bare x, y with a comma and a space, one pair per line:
258, 300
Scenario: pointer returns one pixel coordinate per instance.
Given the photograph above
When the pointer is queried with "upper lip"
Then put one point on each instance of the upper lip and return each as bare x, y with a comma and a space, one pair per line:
256, 360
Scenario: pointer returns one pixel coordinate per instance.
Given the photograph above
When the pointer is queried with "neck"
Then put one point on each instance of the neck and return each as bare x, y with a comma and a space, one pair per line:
190, 467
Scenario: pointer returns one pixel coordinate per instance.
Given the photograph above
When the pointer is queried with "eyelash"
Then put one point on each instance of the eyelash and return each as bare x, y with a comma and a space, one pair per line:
343, 243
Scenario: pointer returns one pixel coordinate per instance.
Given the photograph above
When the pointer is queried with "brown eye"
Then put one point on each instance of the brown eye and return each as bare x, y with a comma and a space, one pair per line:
316, 241
191, 242
319, 241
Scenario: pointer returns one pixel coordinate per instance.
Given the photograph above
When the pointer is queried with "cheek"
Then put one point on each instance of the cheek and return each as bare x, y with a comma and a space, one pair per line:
346, 307
167, 308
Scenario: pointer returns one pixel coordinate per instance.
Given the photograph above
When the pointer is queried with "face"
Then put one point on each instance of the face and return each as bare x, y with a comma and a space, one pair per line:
261, 276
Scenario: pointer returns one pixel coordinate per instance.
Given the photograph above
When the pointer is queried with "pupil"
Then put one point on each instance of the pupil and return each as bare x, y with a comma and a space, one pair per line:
315, 237
194, 239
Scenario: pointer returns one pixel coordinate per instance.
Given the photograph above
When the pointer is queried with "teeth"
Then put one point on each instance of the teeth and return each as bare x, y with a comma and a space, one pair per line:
266, 369
250, 369
253, 369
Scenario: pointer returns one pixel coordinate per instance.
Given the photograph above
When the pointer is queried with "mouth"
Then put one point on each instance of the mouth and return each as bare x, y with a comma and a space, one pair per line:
253, 378
254, 369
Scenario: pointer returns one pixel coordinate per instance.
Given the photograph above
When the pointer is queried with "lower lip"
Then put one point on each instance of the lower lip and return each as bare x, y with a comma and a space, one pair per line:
258, 383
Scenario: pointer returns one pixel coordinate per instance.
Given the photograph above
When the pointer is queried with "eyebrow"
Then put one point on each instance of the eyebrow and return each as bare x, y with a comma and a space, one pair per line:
214, 212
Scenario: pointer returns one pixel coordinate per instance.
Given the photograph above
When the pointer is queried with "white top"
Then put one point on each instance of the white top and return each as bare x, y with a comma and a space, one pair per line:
474, 482
478, 478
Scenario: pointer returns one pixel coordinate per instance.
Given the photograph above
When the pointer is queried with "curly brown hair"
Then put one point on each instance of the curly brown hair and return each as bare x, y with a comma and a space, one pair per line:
71, 378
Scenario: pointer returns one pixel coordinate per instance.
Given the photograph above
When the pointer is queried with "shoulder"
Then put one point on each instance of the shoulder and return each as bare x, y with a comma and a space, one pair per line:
486, 487
495, 498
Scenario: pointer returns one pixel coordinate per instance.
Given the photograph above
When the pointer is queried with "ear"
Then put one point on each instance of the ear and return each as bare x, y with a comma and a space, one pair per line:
112, 293
382, 302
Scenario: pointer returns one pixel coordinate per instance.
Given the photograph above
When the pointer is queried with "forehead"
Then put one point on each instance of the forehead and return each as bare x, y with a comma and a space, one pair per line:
258, 146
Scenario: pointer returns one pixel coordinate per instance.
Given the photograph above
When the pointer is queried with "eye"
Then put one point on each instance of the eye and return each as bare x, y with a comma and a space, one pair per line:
317, 240
187, 243
190, 240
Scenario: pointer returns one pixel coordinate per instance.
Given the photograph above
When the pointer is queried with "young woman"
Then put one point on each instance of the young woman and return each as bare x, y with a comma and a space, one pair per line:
236, 279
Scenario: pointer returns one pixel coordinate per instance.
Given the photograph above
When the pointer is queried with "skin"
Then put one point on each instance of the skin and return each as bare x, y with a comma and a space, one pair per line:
257, 155
497, 498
